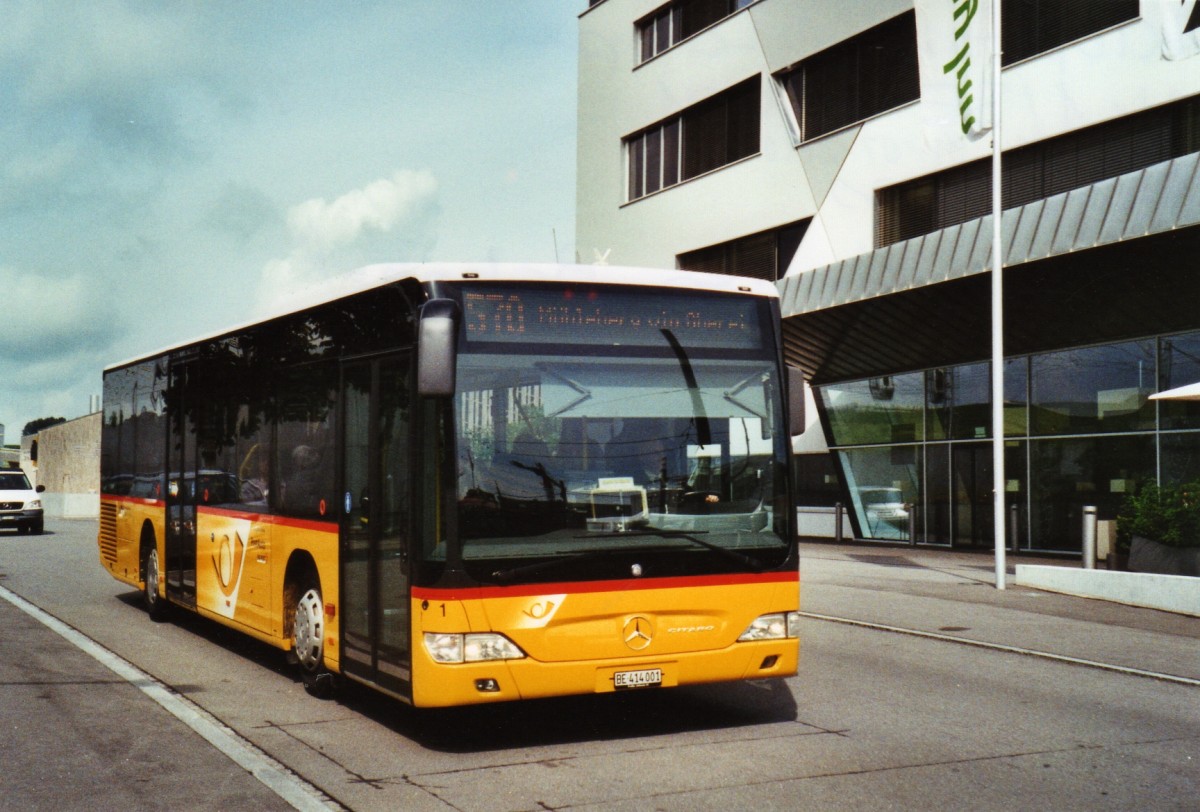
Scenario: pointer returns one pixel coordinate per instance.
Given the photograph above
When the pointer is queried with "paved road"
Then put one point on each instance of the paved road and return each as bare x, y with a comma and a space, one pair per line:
876, 719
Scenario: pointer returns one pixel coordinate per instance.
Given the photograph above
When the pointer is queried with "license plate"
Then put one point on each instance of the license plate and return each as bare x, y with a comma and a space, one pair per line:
638, 679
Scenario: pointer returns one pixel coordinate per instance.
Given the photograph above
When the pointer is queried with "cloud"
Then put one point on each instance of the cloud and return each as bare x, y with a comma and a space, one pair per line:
378, 206
103, 44
241, 211
109, 95
58, 334
48, 318
335, 236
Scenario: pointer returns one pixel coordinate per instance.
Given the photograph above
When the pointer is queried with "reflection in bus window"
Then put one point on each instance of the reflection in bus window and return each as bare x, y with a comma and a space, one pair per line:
556, 452
304, 444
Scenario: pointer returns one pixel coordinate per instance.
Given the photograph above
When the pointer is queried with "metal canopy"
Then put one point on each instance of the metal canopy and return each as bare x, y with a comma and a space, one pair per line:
925, 301
1189, 392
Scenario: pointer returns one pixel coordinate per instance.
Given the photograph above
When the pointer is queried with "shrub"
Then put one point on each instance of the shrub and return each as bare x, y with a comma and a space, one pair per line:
1169, 515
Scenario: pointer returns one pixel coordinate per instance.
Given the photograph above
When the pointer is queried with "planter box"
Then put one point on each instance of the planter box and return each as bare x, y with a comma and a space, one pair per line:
1150, 556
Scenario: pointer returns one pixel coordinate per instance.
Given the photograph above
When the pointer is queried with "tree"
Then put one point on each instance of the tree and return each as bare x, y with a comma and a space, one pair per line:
34, 426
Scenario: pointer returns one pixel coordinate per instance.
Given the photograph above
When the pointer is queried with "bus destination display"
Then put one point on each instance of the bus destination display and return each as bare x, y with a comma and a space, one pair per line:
609, 318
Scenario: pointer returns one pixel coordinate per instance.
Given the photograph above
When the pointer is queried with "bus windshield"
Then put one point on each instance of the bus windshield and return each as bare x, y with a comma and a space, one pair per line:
656, 454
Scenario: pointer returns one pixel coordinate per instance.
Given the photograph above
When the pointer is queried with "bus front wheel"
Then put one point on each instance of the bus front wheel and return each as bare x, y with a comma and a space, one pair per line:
310, 642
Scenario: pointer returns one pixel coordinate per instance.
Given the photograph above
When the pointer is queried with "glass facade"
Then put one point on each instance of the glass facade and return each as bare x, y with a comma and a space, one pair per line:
916, 457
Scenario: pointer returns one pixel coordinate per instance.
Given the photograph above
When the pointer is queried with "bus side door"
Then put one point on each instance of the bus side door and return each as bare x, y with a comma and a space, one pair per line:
376, 418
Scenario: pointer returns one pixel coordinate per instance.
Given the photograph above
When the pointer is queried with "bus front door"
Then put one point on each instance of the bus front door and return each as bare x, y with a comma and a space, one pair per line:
376, 416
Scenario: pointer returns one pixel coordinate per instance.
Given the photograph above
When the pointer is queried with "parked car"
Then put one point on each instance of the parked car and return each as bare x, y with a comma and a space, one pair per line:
886, 512
20, 505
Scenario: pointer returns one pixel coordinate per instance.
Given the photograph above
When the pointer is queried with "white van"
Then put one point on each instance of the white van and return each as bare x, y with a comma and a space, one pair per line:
20, 506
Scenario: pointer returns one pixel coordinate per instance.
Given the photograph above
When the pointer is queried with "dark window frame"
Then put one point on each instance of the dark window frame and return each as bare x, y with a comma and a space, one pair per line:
746, 255
709, 135
1069, 161
1034, 27
871, 73
678, 21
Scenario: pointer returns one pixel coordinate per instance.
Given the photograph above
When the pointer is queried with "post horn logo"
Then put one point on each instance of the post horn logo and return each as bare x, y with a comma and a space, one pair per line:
638, 632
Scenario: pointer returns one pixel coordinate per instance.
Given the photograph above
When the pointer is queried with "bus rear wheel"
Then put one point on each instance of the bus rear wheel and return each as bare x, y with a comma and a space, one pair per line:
156, 606
310, 642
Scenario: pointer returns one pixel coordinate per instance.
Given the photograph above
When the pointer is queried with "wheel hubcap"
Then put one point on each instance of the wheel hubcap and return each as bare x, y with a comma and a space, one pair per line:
309, 629
152, 576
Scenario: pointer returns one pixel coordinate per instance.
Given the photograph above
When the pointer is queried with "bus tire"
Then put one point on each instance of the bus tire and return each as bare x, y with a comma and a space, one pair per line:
156, 605
309, 637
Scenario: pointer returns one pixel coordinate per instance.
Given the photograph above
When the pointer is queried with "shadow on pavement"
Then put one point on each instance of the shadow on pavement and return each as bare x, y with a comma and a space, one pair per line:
501, 726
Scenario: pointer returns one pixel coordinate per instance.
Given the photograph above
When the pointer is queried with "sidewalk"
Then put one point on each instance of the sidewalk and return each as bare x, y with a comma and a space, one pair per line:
954, 594
78, 736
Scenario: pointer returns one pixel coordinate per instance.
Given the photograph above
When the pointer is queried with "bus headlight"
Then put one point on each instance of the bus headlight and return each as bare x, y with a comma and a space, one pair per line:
772, 627
470, 648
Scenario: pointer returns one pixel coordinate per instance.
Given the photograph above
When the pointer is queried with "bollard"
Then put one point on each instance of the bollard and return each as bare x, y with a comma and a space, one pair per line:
837, 521
1089, 537
912, 524
1014, 530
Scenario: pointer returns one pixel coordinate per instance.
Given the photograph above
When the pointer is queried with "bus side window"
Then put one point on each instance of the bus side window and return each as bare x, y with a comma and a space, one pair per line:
303, 481
304, 459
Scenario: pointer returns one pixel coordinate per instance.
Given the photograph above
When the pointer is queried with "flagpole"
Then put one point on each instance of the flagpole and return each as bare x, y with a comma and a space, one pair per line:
999, 482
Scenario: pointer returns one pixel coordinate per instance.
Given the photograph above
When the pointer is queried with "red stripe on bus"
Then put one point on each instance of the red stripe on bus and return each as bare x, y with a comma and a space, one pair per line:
624, 585
268, 518
133, 500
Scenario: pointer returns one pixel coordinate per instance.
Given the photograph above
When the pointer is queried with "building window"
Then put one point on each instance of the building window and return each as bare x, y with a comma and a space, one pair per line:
660, 30
706, 136
1092, 390
765, 255
1032, 27
673, 23
911, 454
867, 74
1037, 171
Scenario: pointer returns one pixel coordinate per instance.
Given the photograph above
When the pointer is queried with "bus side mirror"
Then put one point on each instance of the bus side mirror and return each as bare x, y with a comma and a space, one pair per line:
795, 389
436, 350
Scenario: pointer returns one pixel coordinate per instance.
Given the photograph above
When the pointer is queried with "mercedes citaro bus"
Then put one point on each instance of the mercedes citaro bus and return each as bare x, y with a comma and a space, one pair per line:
473, 483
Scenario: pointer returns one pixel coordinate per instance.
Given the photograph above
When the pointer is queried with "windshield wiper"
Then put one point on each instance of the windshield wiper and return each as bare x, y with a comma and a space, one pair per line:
584, 393
513, 573
507, 575
753, 564
703, 429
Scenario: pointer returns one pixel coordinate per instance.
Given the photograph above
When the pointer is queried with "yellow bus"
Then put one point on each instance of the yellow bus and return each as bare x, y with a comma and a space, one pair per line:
473, 483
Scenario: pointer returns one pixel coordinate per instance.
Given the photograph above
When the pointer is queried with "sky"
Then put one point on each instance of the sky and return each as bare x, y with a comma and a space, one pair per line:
166, 168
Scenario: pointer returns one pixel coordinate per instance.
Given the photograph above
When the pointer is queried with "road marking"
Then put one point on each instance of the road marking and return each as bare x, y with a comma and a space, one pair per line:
283, 782
1062, 658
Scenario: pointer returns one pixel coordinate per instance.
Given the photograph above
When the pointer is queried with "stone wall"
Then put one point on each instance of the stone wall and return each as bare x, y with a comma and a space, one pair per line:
68, 465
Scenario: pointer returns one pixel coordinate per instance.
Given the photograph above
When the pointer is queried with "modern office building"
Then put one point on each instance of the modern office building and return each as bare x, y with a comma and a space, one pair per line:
842, 148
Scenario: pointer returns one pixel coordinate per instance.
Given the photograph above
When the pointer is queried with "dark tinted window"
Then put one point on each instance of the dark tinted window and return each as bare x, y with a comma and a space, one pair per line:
717, 131
1031, 27
305, 450
1040, 170
765, 255
133, 435
855, 79
673, 23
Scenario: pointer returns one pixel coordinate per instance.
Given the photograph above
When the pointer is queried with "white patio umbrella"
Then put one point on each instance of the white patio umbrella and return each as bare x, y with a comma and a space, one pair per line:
1189, 392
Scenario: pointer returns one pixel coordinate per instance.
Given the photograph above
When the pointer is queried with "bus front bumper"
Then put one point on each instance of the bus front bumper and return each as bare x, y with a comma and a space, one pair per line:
443, 685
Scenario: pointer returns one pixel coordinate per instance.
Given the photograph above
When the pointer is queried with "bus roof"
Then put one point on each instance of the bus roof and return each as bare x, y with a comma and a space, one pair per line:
375, 276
